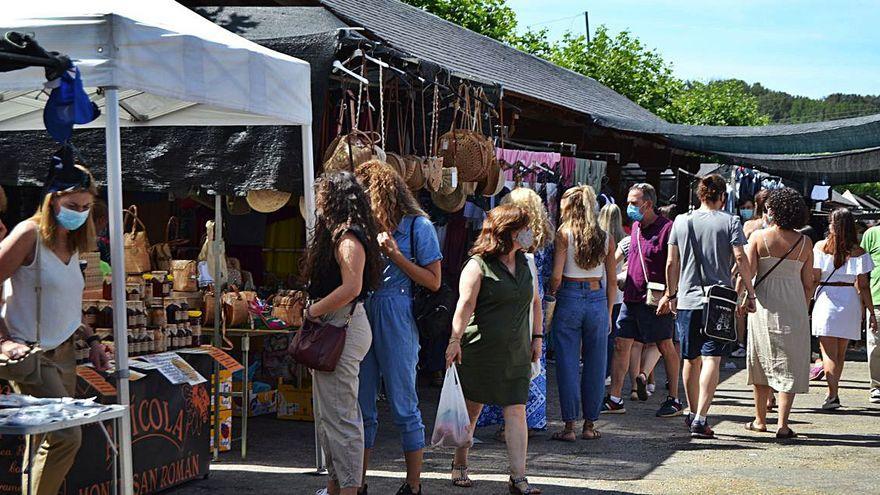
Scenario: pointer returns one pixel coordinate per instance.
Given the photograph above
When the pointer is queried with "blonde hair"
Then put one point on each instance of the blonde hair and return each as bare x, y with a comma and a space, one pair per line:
579, 218
390, 198
611, 221
81, 240
539, 222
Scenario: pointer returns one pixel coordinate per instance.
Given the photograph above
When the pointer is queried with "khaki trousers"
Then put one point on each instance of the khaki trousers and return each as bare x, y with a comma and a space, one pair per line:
57, 450
337, 413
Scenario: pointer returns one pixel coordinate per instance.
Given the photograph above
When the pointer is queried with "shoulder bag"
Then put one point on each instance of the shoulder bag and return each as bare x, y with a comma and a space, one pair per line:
318, 345
656, 290
719, 301
136, 245
432, 311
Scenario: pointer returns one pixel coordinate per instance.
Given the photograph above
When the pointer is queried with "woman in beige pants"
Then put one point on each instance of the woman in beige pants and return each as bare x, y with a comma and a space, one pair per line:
342, 266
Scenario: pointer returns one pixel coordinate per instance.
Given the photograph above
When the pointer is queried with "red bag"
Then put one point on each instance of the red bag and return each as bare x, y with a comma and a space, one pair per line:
318, 345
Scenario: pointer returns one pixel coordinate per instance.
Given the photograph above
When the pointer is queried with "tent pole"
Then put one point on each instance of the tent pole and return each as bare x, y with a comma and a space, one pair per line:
117, 253
308, 170
217, 309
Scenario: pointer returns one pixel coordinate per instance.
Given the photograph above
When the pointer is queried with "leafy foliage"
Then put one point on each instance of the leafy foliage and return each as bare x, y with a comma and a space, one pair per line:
621, 62
787, 109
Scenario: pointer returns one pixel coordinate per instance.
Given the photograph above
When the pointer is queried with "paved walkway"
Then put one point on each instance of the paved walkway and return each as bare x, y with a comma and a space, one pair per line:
837, 453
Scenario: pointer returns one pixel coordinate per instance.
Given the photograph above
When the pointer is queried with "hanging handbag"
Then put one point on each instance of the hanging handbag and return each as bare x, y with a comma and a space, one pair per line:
719, 301
162, 253
136, 244
318, 345
432, 310
186, 275
656, 290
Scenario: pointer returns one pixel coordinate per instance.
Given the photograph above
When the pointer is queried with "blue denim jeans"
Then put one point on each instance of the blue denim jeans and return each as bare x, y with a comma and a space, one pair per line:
393, 358
580, 329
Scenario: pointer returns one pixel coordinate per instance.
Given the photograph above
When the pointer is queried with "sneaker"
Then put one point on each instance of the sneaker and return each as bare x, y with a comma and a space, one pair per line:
831, 403
817, 373
671, 407
875, 395
405, 489
739, 353
611, 407
689, 420
651, 389
642, 387
730, 365
702, 430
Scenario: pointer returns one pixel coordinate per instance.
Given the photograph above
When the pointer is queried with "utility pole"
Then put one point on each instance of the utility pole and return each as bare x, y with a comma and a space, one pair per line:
587, 21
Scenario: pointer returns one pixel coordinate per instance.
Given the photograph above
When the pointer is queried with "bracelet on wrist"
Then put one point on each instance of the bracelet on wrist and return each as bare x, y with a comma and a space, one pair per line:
537, 336
454, 340
672, 296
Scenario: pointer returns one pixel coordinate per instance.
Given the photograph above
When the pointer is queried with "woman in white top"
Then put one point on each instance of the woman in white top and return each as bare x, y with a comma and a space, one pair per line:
584, 271
44, 251
841, 268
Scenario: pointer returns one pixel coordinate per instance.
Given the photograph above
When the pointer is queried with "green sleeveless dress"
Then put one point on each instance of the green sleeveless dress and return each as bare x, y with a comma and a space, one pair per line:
496, 347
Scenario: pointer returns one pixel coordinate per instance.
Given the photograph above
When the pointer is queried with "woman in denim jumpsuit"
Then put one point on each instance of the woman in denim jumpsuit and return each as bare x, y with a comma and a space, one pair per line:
412, 256
584, 281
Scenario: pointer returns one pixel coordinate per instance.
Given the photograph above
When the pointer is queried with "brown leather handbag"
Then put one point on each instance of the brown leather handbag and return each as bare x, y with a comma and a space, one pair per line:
136, 244
288, 307
186, 276
318, 345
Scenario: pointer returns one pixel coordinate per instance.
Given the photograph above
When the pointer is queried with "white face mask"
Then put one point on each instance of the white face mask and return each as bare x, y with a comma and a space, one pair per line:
525, 238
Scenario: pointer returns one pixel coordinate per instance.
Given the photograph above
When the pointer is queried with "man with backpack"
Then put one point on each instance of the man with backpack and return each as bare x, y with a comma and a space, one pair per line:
703, 247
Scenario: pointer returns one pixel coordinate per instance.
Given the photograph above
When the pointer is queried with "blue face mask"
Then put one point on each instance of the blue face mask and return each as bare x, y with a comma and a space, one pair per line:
634, 213
70, 219
747, 214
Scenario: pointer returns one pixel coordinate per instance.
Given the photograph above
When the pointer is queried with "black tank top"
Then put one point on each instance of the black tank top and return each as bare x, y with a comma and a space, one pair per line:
325, 280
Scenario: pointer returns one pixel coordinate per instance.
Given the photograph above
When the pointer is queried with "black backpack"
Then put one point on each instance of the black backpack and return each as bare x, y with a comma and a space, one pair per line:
432, 311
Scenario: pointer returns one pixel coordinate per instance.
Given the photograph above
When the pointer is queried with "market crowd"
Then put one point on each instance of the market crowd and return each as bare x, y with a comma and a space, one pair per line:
615, 303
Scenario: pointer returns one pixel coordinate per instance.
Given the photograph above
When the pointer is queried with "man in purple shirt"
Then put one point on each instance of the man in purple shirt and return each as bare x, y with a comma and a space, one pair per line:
638, 320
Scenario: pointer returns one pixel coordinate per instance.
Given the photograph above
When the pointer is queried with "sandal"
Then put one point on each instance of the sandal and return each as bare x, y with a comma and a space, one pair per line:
786, 435
462, 480
590, 432
751, 427
520, 486
564, 436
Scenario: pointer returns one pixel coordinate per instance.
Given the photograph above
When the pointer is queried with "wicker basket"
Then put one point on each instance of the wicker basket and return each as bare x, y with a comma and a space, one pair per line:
348, 151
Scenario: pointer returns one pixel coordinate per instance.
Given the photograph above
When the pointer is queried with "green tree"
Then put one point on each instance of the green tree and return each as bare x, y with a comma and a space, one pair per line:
492, 18
724, 102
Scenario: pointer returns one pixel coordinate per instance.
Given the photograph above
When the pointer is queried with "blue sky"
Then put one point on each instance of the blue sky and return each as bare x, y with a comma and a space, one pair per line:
810, 48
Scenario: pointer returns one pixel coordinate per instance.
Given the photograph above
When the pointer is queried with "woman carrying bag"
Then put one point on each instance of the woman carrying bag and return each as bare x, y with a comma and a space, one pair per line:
342, 265
411, 257
491, 341
42, 305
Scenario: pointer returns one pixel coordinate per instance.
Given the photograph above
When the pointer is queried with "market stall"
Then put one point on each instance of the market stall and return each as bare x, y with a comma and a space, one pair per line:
154, 64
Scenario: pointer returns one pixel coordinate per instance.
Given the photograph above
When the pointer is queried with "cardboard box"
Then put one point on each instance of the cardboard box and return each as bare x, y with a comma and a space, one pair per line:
294, 403
225, 388
225, 431
260, 404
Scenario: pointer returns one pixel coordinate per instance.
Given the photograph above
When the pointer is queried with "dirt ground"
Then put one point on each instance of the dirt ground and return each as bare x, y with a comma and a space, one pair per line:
637, 454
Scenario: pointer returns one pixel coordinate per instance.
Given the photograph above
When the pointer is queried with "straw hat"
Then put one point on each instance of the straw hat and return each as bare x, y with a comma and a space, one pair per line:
501, 182
237, 205
267, 200
450, 202
489, 185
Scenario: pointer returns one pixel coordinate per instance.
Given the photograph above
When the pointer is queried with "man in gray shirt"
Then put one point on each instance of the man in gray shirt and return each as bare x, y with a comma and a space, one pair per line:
720, 239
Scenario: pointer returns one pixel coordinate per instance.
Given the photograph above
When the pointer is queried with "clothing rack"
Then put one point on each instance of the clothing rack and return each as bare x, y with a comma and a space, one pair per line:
532, 145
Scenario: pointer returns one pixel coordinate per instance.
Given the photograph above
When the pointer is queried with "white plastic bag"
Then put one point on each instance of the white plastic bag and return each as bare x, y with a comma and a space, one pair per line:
452, 423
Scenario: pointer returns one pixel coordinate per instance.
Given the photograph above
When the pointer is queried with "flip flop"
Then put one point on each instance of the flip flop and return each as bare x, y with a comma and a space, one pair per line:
750, 426
785, 436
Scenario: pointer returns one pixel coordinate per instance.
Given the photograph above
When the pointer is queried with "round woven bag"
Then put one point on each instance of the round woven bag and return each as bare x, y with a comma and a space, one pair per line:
417, 180
395, 161
466, 151
349, 151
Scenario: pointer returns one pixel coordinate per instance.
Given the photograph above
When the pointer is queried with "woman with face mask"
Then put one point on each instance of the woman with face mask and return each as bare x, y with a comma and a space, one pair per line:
583, 264
43, 251
491, 341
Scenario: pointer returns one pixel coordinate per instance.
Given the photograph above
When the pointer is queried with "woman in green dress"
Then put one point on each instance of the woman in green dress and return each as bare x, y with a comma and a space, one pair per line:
491, 339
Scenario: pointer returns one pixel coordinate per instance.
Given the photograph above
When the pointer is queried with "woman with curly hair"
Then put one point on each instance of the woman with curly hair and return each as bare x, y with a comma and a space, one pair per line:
841, 267
497, 334
778, 352
411, 255
583, 266
342, 265
540, 260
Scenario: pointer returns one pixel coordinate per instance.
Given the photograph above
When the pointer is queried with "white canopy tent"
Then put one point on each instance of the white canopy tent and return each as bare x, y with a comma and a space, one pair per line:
156, 64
